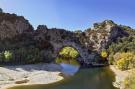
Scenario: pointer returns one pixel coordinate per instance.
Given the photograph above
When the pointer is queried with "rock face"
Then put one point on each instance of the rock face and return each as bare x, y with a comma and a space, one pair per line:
59, 38
12, 25
102, 35
88, 43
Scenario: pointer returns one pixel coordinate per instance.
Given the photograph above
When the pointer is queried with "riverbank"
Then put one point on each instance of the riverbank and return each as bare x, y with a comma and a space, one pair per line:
120, 76
29, 74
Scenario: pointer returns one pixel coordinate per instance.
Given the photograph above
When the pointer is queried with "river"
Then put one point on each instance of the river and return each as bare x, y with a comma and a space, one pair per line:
92, 78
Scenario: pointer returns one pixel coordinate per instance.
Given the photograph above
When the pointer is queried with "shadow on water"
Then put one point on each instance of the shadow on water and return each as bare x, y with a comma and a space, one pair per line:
94, 78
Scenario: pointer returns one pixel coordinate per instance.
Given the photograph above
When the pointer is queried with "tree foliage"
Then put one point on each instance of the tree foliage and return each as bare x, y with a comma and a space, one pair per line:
68, 55
124, 60
104, 54
69, 52
122, 51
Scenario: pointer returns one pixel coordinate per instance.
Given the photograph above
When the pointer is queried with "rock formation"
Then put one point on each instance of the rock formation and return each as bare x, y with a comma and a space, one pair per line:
88, 43
59, 38
102, 35
12, 25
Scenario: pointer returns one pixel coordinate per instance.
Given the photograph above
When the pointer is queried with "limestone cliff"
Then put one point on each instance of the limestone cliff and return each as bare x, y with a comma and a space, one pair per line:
12, 25
102, 35
59, 38
49, 41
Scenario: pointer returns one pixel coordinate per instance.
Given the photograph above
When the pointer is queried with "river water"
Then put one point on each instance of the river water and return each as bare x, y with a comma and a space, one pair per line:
92, 78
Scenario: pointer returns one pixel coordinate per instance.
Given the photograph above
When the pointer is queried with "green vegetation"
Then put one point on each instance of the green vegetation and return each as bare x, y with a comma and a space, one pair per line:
69, 52
8, 55
130, 81
122, 54
68, 55
25, 56
124, 60
104, 54
103, 24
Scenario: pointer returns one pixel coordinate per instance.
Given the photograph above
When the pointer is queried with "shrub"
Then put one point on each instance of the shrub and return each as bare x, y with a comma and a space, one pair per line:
124, 60
8, 56
130, 81
122, 64
104, 54
111, 59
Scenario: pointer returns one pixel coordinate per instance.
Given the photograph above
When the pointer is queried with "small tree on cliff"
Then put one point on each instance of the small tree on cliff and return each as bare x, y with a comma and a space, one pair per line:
104, 54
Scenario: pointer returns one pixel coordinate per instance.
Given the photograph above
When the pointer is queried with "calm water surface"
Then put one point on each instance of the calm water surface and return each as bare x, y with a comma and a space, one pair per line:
94, 78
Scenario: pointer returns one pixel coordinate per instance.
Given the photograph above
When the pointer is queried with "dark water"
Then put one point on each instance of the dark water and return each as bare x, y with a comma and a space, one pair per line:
94, 78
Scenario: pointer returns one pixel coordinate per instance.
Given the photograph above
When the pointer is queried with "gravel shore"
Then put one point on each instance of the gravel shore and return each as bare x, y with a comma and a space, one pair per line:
29, 74
120, 76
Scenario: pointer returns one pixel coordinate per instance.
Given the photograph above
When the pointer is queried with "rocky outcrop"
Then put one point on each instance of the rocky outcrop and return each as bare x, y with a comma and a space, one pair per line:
50, 41
102, 35
59, 38
12, 25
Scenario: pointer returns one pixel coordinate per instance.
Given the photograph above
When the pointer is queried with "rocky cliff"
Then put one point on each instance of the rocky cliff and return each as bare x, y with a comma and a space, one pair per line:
12, 25
102, 35
49, 41
59, 38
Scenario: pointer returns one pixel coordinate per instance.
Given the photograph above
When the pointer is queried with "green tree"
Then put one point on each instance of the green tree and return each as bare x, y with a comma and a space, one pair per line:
68, 55
69, 52
8, 56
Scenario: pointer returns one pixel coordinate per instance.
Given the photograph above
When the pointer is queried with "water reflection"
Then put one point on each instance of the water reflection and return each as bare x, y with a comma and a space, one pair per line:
95, 78
68, 69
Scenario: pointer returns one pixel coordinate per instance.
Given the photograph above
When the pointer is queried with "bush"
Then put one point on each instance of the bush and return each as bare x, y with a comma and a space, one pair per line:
8, 56
111, 59
130, 81
104, 54
122, 64
124, 60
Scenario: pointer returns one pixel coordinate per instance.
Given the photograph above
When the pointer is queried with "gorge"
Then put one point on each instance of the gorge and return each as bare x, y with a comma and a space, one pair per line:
21, 44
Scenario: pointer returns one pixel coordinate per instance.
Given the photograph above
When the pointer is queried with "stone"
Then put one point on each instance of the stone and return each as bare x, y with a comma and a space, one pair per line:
22, 81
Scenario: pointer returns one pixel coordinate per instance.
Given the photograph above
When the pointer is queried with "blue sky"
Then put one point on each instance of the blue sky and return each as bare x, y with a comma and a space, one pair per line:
72, 14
